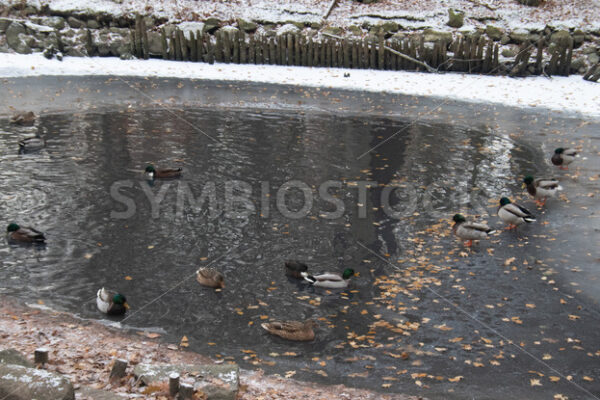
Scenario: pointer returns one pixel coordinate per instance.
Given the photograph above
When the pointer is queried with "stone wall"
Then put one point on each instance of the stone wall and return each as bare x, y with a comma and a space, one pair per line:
491, 50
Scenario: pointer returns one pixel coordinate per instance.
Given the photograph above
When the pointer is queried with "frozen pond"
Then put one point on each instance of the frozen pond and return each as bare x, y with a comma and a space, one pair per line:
261, 186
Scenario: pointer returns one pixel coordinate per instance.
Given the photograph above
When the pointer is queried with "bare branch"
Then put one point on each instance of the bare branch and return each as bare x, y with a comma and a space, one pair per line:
427, 67
331, 6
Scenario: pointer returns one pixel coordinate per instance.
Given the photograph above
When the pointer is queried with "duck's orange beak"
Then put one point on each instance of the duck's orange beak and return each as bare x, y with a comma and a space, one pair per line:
126, 306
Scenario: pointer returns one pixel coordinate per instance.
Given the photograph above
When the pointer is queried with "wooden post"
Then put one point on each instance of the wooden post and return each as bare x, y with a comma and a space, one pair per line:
234, 38
495, 62
89, 43
303, 51
132, 42
347, 50
184, 45
145, 46
331, 50
567, 64
219, 47
372, 55
210, 49
118, 369
487, 60
290, 48
40, 355
138, 36
272, 51
173, 383
297, 45
354, 54
322, 51
227, 50
186, 391
163, 42
243, 51
177, 45
251, 50
539, 56
193, 47
381, 53
172, 45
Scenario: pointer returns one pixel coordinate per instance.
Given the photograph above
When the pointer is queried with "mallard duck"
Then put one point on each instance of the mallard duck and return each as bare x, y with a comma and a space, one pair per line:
542, 188
470, 231
32, 143
153, 173
111, 303
513, 214
210, 277
330, 280
563, 157
24, 234
23, 118
292, 330
295, 268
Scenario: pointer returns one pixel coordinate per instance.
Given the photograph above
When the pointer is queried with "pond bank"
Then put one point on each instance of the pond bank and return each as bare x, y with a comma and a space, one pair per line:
84, 351
373, 39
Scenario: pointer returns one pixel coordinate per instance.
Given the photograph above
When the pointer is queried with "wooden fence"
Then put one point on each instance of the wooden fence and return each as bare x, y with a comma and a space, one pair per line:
472, 53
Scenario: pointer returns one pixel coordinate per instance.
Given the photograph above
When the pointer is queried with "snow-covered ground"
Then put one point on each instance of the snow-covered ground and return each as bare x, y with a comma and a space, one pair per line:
410, 14
572, 94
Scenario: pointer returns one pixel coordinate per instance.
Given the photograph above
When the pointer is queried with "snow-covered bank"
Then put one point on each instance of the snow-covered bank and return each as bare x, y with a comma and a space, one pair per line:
571, 94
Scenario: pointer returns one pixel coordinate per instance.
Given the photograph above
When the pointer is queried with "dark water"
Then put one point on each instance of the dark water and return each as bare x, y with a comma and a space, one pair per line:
151, 255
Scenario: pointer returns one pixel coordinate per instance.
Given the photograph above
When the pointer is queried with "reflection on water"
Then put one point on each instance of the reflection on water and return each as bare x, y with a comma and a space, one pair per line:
65, 191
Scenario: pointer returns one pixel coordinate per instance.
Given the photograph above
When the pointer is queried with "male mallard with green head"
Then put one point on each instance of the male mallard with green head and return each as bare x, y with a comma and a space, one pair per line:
111, 303
295, 268
562, 157
210, 277
542, 188
24, 234
154, 173
470, 231
292, 330
331, 280
23, 118
513, 214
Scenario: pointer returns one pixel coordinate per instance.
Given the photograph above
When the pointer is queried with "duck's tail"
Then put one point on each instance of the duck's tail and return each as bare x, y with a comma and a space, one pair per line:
529, 219
308, 278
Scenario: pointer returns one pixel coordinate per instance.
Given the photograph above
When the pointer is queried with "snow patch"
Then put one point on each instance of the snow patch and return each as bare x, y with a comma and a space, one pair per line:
564, 94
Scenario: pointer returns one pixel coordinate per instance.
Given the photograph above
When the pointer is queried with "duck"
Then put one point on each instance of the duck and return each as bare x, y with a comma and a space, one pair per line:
295, 268
331, 280
542, 188
300, 331
513, 214
210, 277
153, 173
470, 231
23, 118
111, 303
562, 157
32, 143
24, 234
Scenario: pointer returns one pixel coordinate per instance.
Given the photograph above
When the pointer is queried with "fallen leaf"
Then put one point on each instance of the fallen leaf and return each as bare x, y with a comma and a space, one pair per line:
289, 374
509, 261
535, 382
